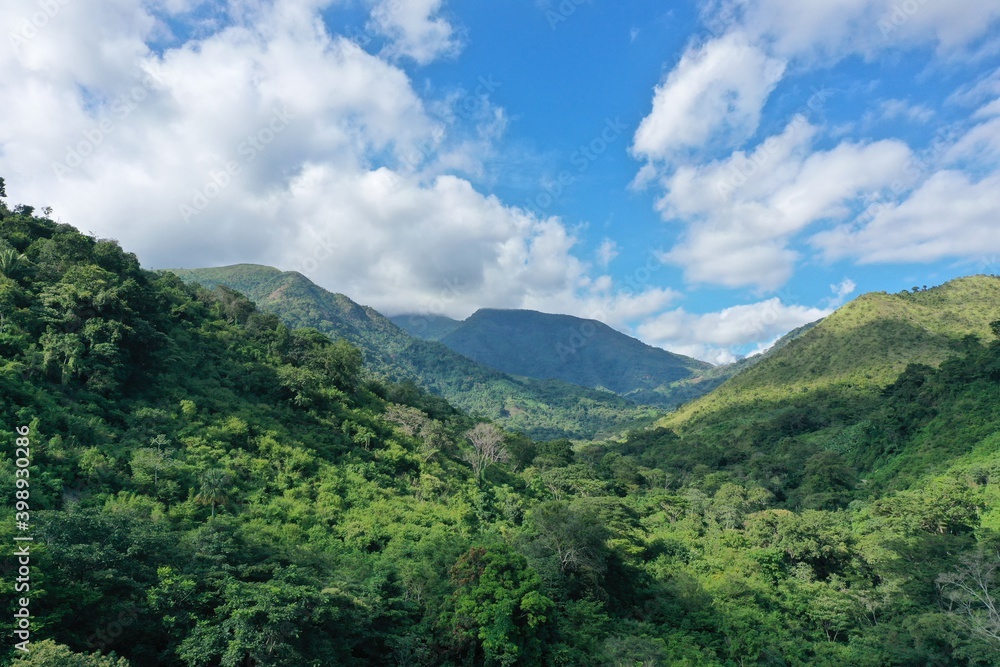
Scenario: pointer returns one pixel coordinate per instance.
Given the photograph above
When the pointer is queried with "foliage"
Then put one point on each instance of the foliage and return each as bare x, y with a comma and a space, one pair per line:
212, 487
543, 346
547, 408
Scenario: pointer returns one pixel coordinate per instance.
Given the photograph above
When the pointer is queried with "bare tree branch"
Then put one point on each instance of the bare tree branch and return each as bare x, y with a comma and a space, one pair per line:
487, 448
971, 593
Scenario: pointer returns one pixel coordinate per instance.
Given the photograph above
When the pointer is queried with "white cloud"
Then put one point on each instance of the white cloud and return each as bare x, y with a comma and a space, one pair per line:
743, 211
385, 239
948, 216
841, 291
713, 98
831, 29
606, 252
415, 29
716, 89
980, 145
718, 337
951, 215
894, 109
306, 152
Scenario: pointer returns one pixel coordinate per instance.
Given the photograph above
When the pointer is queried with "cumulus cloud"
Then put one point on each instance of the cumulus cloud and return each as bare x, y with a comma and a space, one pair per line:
948, 216
841, 291
273, 140
951, 214
743, 211
716, 92
827, 29
415, 29
719, 337
717, 88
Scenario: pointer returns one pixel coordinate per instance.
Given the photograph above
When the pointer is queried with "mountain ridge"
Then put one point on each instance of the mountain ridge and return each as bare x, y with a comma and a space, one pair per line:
581, 351
542, 408
863, 346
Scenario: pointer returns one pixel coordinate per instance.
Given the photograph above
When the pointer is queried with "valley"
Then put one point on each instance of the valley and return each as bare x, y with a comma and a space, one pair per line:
235, 466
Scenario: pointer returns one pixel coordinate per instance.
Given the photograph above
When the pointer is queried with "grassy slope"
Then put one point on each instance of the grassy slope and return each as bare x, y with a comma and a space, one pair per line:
542, 409
859, 349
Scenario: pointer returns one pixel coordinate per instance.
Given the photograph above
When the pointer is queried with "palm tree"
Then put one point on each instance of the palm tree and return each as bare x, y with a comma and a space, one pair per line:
214, 484
13, 265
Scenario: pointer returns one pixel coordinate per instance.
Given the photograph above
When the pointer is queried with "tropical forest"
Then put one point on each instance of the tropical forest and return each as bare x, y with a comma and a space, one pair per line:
234, 467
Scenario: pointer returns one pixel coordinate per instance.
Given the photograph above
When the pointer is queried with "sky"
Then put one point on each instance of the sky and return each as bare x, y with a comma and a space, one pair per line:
705, 176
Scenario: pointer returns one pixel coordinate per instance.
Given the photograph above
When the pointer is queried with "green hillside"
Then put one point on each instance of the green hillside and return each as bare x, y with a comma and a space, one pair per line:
862, 347
543, 409
428, 327
205, 486
583, 352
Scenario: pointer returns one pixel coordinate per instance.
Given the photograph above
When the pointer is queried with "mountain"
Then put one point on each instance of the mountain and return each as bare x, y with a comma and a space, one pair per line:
428, 327
683, 391
203, 484
862, 347
541, 408
581, 351
859, 389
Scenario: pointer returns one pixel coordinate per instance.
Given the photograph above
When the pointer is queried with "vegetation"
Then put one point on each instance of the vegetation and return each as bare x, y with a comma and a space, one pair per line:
543, 346
212, 487
862, 347
541, 408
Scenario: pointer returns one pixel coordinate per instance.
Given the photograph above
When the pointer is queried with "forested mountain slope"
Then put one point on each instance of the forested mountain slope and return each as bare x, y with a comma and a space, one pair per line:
210, 487
583, 352
543, 409
426, 326
862, 347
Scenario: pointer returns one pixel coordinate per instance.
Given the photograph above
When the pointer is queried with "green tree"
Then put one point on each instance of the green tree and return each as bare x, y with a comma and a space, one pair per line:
499, 605
214, 488
14, 265
47, 653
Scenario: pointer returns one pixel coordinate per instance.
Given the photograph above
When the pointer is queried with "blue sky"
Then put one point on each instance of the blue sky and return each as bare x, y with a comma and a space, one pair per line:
705, 176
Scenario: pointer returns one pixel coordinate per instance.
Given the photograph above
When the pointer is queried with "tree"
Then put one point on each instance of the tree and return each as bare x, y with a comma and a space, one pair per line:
969, 590
499, 605
153, 459
3, 188
995, 327
13, 264
488, 447
566, 538
48, 653
214, 484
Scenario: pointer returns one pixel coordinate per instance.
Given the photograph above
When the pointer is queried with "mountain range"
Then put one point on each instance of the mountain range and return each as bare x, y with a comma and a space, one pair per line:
545, 346
212, 485
543, 408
